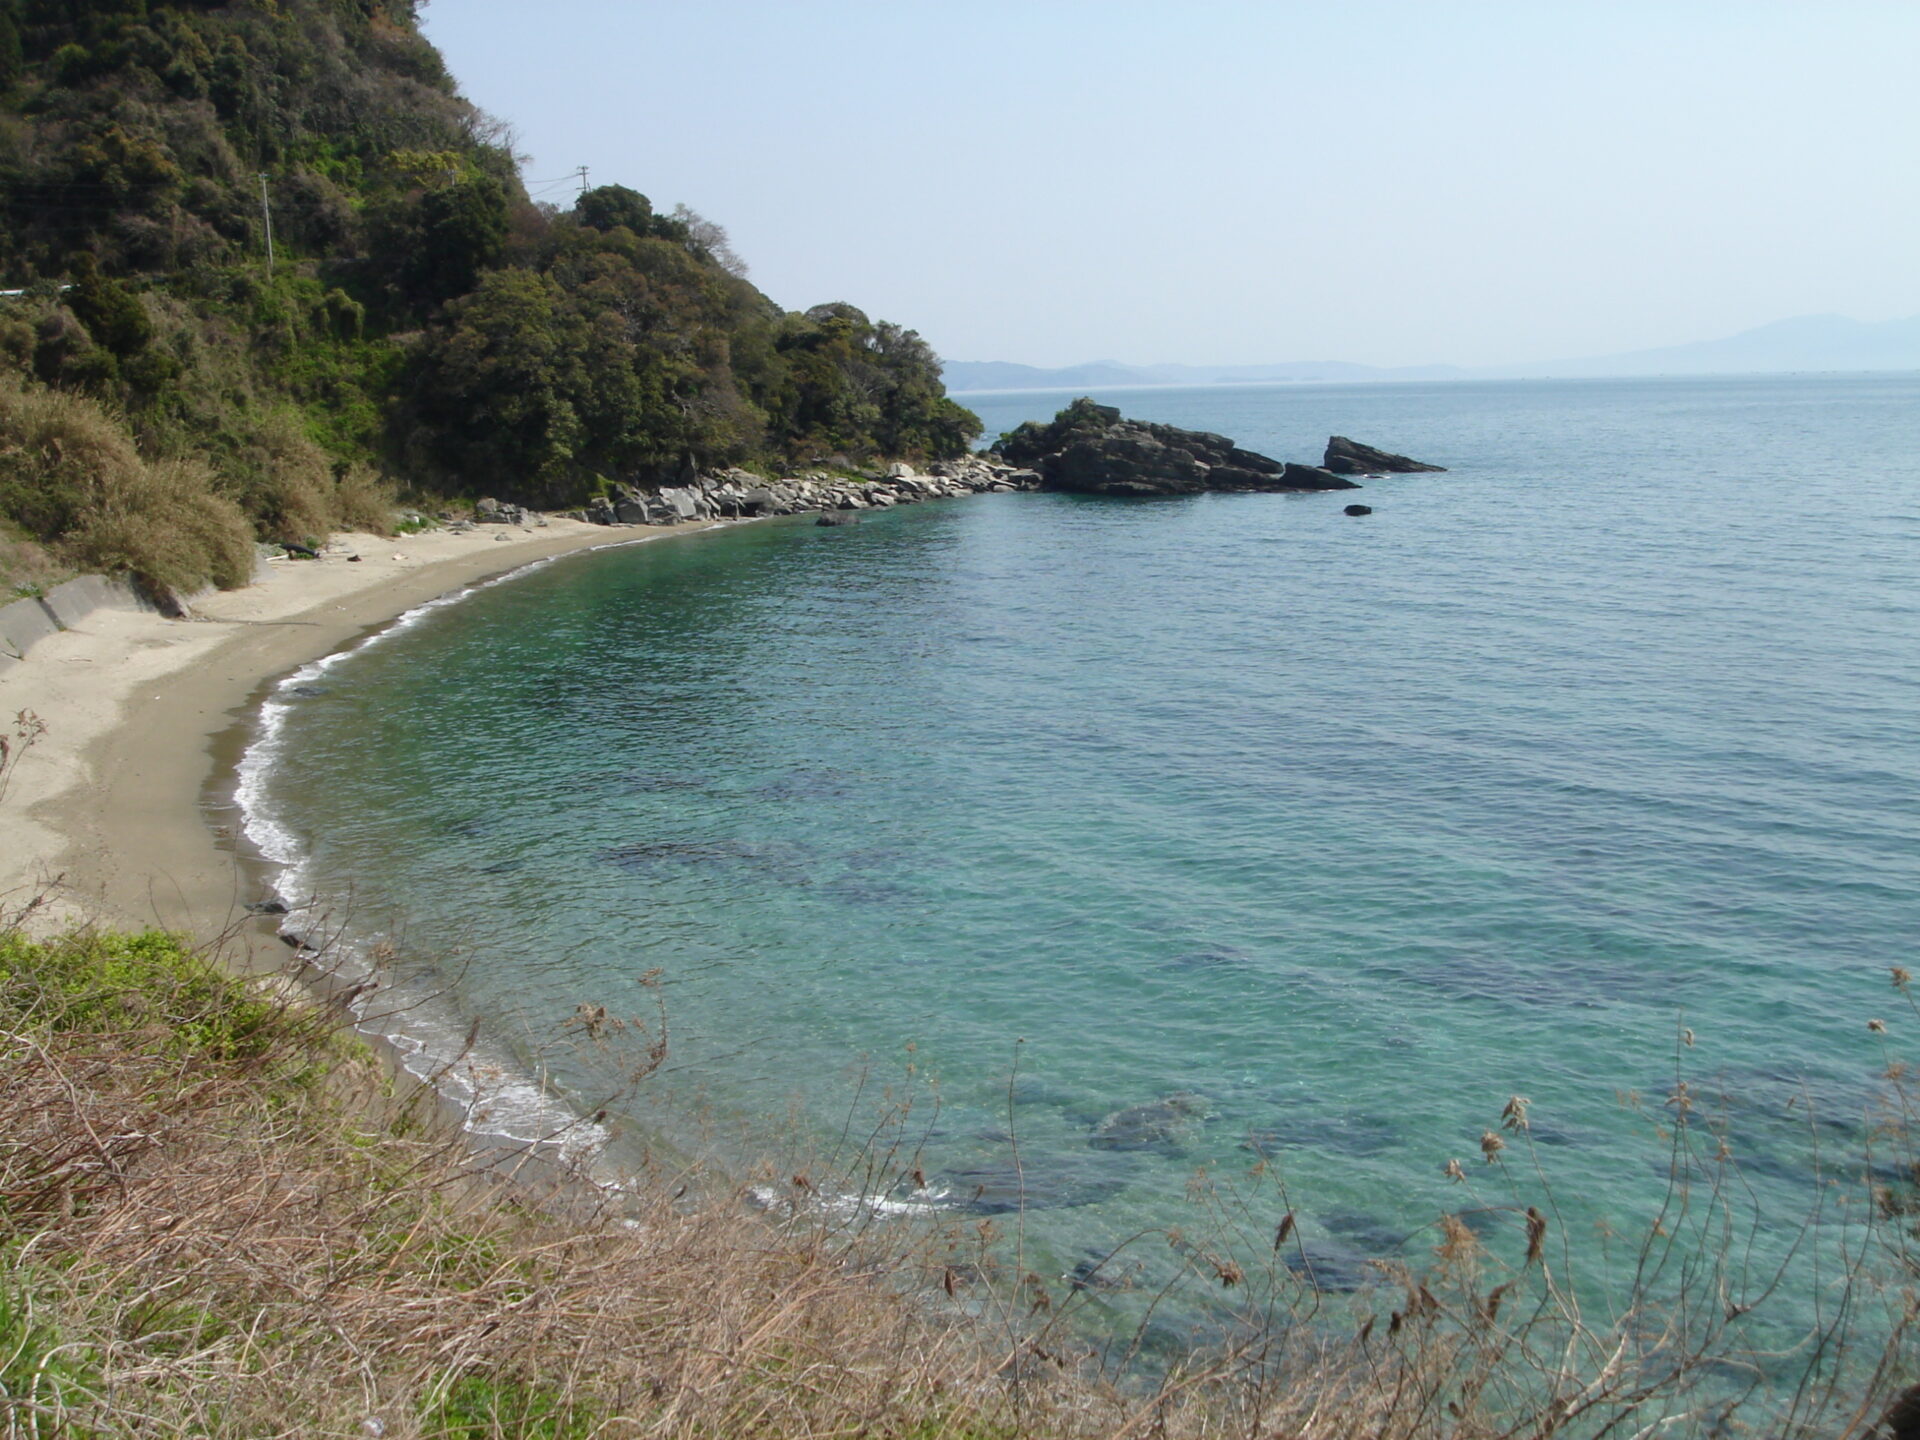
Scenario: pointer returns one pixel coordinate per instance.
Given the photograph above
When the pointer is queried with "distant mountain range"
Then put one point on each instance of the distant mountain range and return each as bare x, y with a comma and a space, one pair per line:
1808, 342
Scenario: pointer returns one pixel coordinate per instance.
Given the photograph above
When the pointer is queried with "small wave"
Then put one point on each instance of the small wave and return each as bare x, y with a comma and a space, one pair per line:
853, 1204
496, 1099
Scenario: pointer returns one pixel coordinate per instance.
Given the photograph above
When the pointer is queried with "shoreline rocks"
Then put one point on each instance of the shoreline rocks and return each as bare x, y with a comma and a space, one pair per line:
1087, 449
741, 494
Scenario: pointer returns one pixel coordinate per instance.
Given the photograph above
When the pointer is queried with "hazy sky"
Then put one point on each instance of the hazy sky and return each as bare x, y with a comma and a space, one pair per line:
1387, 181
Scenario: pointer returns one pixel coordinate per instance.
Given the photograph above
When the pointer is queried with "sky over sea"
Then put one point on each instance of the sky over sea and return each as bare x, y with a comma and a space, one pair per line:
1230, 182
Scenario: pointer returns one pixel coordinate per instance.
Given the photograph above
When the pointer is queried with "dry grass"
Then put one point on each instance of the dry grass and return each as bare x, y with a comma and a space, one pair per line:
218, 1219
71, 476
363, 501
27, 568
167, 526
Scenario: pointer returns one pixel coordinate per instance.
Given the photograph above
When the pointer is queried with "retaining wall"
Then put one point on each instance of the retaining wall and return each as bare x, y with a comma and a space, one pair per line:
25, 623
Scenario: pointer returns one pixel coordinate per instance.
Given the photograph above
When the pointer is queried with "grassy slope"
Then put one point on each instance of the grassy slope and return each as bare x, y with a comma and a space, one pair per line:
216, 1219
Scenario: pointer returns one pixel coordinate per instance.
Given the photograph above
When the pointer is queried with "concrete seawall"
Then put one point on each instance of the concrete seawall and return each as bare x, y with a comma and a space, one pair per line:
25, 623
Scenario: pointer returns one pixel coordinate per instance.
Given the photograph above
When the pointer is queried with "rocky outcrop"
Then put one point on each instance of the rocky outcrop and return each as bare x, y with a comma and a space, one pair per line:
488, 511
1090, 449
1350, 457
739, 494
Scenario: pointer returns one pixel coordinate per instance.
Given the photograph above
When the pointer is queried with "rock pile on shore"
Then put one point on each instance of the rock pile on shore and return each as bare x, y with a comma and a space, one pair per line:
737, 494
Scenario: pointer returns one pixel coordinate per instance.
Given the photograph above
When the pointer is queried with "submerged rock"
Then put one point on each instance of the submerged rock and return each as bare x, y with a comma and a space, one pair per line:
1091, 449
1161, 1125
1339, 1132
1350, 457
1210, 957
1040, 1185
1364, 1232
1331, 1268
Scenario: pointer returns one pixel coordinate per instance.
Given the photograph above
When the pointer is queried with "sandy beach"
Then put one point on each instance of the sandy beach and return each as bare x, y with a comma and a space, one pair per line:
105, 814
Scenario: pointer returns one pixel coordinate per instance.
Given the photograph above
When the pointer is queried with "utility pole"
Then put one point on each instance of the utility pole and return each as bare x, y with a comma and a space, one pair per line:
266, 212
583, 179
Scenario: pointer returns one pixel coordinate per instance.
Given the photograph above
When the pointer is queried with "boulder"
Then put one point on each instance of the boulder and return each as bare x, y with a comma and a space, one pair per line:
1359, 510
1091, 449
631, 509
1350, 457
758, 501
602, 511
680, 504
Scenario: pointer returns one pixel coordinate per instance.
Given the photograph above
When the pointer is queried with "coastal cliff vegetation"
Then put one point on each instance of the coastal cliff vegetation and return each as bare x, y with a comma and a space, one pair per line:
414, 320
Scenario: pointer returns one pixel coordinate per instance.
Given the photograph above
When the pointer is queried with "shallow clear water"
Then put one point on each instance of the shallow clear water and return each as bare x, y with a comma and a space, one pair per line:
1350, 828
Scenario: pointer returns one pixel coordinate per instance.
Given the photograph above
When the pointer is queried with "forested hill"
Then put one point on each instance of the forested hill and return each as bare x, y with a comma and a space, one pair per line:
422, 320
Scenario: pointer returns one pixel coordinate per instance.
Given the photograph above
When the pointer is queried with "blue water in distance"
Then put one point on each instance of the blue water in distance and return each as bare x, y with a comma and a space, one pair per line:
1343, 830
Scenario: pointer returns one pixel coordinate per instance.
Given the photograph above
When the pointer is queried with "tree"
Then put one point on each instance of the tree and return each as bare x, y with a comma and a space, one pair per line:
607, 207
711, 239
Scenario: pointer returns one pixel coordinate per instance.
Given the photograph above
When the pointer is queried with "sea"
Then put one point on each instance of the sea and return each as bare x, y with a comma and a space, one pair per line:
1130, 875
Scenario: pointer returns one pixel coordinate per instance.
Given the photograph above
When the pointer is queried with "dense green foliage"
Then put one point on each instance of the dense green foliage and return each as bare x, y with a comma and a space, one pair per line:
422, 318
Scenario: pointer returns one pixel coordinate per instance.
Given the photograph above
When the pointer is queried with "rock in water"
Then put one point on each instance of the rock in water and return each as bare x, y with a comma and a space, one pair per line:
1090, 449
1160, 1125
1312, 477
1359, 509
1009, 1189
1350, 457
837, 517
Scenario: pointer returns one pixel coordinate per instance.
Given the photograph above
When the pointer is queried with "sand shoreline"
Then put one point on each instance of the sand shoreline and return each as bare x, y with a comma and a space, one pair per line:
106, 815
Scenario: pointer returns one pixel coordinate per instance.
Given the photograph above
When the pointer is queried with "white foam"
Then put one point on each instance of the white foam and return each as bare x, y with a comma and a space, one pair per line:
495, 1098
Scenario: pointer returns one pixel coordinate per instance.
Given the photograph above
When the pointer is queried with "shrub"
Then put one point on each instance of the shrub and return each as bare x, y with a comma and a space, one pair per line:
70, 475
169, 528
363, 501
283, 479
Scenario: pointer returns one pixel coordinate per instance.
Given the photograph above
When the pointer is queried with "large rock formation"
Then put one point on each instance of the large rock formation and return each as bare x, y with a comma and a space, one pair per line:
1091, 450
1350, 457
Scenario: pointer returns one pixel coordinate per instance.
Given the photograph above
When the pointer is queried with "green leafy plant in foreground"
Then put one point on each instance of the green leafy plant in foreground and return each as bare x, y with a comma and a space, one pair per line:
480, 1407
40, 1377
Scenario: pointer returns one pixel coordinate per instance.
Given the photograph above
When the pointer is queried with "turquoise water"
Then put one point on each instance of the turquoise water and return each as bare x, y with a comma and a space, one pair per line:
1038, 808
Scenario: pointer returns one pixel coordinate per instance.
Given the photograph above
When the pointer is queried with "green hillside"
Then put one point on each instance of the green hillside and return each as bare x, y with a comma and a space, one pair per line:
422, 323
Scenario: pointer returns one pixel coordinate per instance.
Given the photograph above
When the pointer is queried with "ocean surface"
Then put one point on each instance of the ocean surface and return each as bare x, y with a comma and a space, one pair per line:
1094, 852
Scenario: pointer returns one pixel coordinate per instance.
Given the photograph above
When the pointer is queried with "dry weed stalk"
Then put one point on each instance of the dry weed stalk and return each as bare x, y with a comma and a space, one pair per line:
218, 1219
